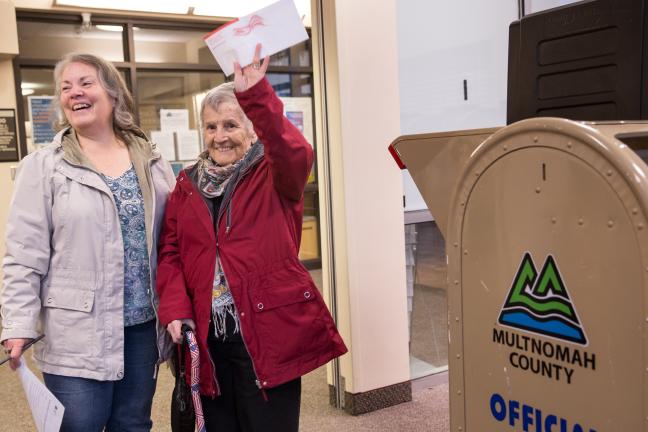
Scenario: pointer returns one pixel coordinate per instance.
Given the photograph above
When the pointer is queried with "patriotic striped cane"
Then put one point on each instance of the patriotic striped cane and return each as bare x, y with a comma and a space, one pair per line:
195, 380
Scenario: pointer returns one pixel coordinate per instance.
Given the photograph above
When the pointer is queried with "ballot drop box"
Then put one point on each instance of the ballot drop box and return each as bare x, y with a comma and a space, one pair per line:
546, 229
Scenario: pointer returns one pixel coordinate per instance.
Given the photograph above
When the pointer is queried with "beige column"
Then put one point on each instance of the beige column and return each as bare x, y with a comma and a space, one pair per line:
8, 50
361, 77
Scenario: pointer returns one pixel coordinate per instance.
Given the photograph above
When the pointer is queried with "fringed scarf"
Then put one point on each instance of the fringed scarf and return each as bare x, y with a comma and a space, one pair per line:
212, 182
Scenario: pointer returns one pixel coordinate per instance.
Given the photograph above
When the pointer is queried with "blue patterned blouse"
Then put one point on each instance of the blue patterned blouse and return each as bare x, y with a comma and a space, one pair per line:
137, 278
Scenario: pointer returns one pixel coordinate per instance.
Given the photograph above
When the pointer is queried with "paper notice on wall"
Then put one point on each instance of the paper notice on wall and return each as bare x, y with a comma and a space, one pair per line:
172, 120
41, 116
188, 144
275, 27
164, 143
299, 110
46, 410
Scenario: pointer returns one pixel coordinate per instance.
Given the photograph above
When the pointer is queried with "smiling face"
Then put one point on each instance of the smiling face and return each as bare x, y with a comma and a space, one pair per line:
226, 133
85, 103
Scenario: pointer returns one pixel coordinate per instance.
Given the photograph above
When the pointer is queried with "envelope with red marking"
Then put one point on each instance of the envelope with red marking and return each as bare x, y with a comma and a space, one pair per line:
277, 27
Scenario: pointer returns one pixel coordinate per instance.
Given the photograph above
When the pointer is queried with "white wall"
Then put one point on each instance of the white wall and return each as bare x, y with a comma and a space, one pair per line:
440, 44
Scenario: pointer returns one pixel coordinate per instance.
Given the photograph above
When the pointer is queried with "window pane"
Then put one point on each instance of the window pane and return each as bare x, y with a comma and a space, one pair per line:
298, 55
291, 84
426, 298
174, 90
42, 40
309, 247
533, 6
35, 83
171, 46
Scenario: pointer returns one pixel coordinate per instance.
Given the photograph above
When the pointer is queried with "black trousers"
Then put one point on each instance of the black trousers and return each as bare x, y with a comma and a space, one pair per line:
242, 407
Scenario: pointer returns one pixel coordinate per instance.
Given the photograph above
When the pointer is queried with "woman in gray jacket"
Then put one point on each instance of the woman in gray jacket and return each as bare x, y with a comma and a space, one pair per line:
81, 254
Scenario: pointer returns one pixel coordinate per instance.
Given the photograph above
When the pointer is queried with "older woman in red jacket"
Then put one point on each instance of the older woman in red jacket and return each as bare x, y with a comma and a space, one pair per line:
228, 262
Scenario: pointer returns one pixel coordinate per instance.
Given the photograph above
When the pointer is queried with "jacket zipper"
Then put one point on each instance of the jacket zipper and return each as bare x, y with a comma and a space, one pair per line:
112, 198
227, 230
256, 375
149, 248
207, 336
228, 219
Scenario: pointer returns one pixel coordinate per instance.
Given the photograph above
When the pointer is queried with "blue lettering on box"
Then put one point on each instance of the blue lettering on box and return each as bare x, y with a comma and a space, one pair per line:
531, 419
498, 407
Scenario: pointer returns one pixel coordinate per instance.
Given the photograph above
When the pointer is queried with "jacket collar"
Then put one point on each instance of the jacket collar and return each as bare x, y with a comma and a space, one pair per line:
190, 174
140, 148
187, 181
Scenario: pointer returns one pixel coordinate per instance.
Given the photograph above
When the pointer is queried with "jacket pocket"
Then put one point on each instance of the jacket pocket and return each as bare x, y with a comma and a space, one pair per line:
68, 319
289, 321
272, 298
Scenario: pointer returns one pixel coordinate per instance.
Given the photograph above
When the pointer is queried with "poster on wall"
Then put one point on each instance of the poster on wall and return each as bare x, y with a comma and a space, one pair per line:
197, 100
41, 116
188, 144
164, 143
8, 141
172, 120
299, 110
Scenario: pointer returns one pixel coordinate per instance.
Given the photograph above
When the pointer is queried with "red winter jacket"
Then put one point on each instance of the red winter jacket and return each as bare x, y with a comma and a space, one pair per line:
285, 324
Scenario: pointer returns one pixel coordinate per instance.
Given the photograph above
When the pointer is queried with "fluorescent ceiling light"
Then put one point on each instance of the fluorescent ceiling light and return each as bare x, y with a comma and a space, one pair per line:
229, 9
223, 9
30, 85
27, 91
232, 9
176, 6
111, 28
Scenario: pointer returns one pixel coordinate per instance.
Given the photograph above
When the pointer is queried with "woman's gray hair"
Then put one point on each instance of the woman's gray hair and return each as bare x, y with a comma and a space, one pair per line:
221, 94
110, 79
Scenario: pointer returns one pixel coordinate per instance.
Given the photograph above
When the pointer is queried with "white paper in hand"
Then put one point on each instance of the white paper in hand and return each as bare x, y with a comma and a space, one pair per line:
46, 409
275, 27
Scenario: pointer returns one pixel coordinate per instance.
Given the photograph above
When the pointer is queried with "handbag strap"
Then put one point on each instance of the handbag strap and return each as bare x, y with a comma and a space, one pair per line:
195, 380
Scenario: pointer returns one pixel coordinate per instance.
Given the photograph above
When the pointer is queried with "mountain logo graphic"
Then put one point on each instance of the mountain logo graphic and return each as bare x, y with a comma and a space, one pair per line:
539, 303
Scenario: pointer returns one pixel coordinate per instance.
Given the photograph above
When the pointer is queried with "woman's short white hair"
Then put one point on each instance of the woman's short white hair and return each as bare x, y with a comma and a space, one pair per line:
223, 94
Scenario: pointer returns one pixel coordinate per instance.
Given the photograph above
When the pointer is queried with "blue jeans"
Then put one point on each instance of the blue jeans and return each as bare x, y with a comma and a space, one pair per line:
123, 405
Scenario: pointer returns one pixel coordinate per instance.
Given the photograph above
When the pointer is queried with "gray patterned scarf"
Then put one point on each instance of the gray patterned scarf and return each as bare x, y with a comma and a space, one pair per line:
213, 178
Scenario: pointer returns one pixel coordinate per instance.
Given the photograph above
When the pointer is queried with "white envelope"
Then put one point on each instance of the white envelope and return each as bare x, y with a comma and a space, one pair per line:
47, 411
275, 27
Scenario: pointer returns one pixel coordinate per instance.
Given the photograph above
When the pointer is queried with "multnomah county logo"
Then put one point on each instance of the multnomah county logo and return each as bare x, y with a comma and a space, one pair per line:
539, 303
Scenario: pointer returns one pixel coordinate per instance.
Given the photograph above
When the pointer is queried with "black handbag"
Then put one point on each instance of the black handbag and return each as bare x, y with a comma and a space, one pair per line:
183, 417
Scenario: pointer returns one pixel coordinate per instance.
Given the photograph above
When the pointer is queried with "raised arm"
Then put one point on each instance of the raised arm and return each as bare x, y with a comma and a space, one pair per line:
289, 154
